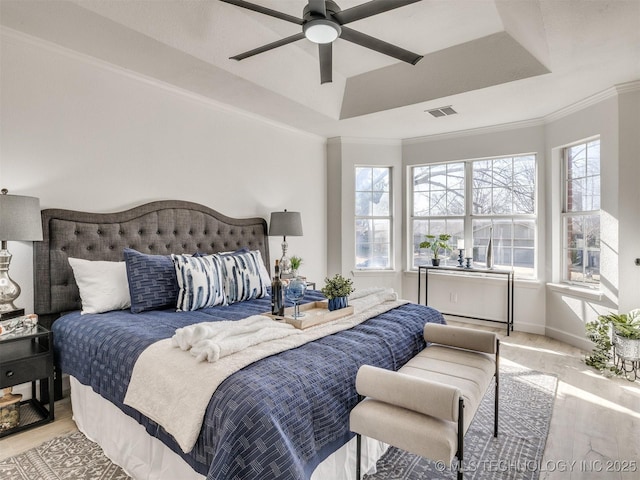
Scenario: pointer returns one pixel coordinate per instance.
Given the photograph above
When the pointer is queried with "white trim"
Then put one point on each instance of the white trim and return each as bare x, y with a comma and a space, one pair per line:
366, 141
581, 105
535, 122
569, 338
167, 87
628, 87
578, 292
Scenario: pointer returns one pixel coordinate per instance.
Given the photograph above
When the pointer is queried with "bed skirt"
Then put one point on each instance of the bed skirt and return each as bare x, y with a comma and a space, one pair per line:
126, 443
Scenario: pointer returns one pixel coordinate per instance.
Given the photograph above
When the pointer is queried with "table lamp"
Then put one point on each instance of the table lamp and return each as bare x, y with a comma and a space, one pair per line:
20, 220
285, 223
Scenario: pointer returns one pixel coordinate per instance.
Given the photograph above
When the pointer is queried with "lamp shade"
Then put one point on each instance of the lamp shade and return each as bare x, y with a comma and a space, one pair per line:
285, 224
20, 218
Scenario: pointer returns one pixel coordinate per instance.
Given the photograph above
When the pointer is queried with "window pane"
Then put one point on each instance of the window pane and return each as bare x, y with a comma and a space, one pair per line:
363, 204
438, 203
420, 204
593, 158
513, 244
373, 244
455, 202
524, 199
582, 214
373, 235
482, 201
524, 170
454, 227
381, 179
380, 204
504, 186
420, 179
583, 248
363, 179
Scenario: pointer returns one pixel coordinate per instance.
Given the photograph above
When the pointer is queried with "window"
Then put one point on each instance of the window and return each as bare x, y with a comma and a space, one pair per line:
373, 218
499, 198
581, 214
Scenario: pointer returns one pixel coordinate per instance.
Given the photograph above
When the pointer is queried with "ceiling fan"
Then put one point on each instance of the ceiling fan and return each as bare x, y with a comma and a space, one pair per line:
323, 22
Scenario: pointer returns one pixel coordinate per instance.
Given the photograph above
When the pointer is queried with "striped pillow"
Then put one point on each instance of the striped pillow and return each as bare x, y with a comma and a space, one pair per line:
242, 276
200, 280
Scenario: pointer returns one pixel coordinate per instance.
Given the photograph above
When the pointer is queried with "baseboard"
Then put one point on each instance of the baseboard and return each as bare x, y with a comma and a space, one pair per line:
517, 326
574, 340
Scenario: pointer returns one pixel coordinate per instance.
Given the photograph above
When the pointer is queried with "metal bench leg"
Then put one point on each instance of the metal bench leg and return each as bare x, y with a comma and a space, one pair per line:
460, 438
497, 393
358, 451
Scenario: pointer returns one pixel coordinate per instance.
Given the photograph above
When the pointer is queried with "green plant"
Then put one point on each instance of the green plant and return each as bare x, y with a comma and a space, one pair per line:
626, 325
436, 243
599, 332
337, 286
295, 262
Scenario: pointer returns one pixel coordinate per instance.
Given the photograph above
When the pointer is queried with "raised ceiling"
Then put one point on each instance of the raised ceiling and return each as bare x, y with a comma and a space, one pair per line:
494, 61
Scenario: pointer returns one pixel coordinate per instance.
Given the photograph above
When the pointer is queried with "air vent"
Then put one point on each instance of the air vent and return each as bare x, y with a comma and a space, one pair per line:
442, 111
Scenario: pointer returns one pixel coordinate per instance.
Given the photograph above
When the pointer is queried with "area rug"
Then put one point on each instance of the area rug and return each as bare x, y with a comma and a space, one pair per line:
70, 457
526, 404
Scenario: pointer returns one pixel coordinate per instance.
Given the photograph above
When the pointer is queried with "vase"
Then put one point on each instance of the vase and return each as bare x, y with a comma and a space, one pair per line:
489, 255
337, 303
435, 262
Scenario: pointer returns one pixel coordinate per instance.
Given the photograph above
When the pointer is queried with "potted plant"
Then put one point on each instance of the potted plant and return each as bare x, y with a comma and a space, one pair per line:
436, 243
337, 289
621, 331
295, 264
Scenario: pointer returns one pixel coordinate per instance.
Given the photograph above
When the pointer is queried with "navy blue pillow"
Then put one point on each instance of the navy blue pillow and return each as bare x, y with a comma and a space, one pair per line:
152, 281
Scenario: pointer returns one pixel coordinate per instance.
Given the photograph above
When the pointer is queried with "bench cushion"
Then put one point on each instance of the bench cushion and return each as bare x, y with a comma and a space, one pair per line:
471, 372
408, 430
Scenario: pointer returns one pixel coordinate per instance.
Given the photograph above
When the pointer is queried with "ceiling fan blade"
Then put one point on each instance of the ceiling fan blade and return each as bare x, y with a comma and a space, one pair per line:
326, 62
264, 10
318, 7
378, 45
369, 9
269, 46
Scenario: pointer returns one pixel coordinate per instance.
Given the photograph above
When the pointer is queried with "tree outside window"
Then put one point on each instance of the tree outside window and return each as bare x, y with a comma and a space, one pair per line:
581, 214
501, 195
373, 220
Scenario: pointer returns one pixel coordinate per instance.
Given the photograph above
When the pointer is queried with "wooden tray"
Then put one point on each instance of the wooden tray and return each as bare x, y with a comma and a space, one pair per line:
315, 313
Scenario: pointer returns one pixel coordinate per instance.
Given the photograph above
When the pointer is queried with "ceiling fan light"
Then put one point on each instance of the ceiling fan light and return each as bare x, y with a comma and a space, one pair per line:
321, 30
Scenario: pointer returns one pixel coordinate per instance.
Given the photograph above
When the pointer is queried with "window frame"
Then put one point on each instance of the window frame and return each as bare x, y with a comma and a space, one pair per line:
389, 218
468, 216
565, 214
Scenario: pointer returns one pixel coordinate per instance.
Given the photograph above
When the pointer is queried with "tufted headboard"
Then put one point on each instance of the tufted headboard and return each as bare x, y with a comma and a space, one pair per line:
159, 228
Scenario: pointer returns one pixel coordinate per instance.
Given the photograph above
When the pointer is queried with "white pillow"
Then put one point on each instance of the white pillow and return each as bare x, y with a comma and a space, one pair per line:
264, 271
103, 285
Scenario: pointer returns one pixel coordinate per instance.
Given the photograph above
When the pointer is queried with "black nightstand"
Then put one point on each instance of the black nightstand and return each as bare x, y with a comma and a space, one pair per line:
27, 357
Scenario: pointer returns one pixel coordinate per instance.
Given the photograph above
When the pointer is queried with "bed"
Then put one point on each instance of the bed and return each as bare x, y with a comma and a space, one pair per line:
283, 416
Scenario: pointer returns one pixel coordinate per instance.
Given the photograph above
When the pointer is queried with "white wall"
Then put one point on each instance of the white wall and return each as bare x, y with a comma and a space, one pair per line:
568, 309
82, 135
473, 296
343, 155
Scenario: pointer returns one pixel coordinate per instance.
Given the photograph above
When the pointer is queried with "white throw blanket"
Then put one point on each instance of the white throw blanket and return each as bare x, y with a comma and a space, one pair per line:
164, 377
213, 340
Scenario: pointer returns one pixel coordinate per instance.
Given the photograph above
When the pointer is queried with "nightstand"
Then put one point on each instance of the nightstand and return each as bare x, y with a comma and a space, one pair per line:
27, 356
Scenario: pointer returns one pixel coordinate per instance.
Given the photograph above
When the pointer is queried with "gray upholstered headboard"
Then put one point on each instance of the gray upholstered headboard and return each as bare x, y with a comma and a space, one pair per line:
159, 228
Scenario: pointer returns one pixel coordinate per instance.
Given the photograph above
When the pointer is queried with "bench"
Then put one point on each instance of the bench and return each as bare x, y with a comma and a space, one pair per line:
427, 406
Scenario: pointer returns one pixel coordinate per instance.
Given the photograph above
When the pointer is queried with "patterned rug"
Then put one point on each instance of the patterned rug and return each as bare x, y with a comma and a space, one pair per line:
526, 403
70, 457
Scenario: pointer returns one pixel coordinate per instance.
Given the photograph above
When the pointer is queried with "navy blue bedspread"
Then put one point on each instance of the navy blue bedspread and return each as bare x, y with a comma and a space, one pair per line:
277, 418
